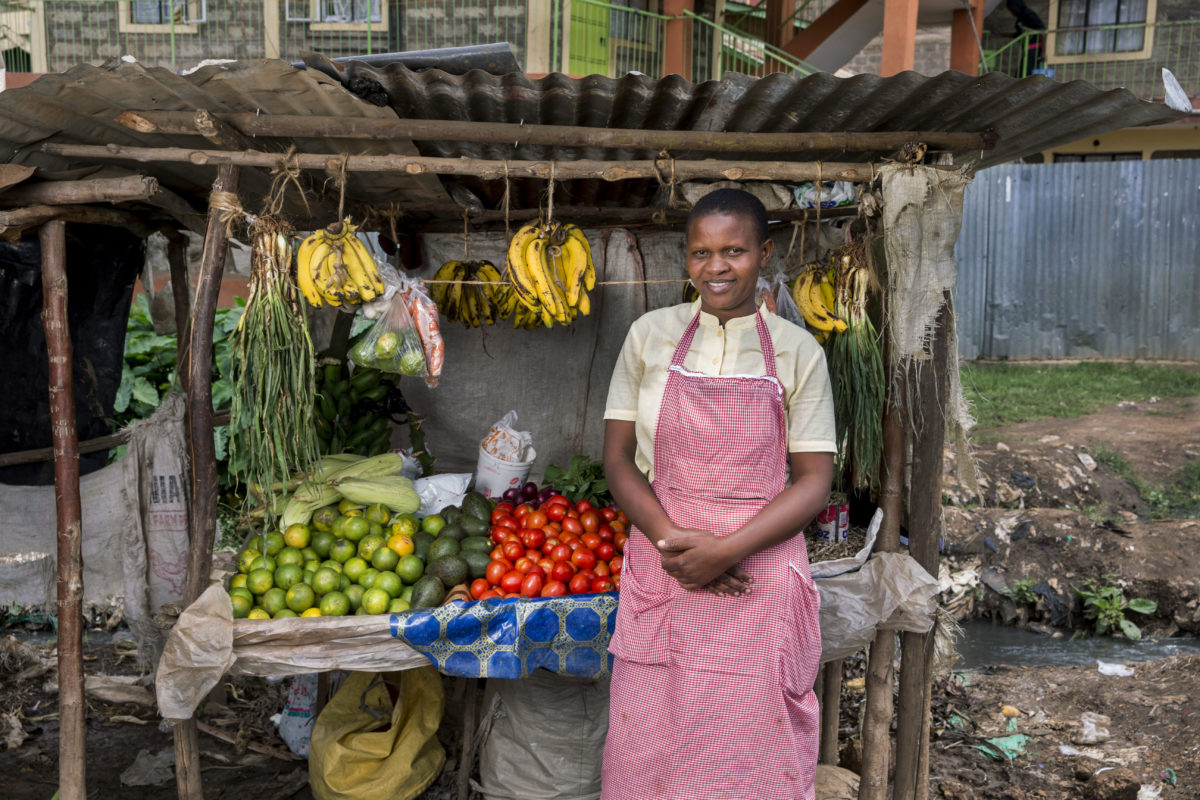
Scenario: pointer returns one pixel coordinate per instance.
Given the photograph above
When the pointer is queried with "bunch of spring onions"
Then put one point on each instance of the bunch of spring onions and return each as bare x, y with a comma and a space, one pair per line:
271, 431
856, 371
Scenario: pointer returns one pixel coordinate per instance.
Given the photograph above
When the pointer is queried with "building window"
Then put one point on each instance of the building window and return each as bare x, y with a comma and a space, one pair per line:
1091, 30
339, 14
162, 16
1070, 158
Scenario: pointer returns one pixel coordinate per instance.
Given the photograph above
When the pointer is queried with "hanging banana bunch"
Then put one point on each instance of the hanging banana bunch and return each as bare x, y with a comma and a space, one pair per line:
815, 294
334, 267
473, 293
551, 271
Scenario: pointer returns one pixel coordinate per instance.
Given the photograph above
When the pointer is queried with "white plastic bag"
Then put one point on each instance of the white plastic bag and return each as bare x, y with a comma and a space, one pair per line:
438, 491
785, 306
506, 443
296, 720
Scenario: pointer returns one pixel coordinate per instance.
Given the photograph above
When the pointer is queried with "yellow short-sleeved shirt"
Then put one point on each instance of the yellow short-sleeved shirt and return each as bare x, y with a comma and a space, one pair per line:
640, 376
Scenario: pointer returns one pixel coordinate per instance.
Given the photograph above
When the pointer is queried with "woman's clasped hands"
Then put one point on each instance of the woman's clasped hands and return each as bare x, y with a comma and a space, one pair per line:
700, 560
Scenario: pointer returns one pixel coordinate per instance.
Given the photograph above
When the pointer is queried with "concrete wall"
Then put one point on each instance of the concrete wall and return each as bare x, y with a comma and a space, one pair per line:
931, 54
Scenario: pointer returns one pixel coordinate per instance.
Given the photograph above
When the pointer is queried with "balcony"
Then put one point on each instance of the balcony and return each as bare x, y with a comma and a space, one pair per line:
1108, 56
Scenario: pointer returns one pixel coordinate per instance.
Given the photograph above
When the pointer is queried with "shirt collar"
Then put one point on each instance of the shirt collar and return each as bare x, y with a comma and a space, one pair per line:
709, 321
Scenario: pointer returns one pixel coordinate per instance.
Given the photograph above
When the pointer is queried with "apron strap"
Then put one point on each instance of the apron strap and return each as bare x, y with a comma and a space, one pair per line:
685, 342
764, 341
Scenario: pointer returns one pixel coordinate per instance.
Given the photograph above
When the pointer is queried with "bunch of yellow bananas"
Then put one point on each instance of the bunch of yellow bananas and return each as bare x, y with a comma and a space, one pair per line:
815, 294
551, 271
334, 266
460, 298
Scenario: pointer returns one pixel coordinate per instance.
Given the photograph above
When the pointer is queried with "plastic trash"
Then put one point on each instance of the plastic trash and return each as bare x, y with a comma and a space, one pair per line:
1113, 669
1094, 728
1000, 748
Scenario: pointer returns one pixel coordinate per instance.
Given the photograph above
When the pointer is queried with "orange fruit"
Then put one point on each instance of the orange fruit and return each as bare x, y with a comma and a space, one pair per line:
300, 598
297, 536
241, 606
326, 580
335, 604
260, 580
311, 612
400, 543
385, 558
376, 601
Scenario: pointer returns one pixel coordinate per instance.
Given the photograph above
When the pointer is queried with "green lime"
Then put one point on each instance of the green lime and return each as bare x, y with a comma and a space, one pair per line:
326, 580
405, 524
377, 513
321, 541
412, 362
263, 562
335, 604
285, 613
323, 518
342, 550
354, 568
410, 569
289, 555
368, 577
398, 605
246, 558
384, 558
389, 582
376, 601
356, 528
355, 593
259, 580
274, 542
300, 598
273, 600
387, 345
258, 613
288, 576
433, 523
369, 544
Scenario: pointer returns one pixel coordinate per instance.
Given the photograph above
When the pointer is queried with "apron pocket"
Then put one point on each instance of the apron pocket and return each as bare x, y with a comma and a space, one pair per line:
801, 655
643, 630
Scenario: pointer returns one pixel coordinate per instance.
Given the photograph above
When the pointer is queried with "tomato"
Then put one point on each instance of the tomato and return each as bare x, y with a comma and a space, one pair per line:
489, 594
532, 586
605, 551
553, 528
558, 500
497, 552
511, 582
606, 532
554, 589
511, 595
546, 564
496, 569
550, 543
499, 533
591, 574
590, 521
624, 520
513, 550
499, 513
536, 570
533, 537
572, 526
509, 522
602, 585
583, 558
523, 564
555, 511
522, 510
591, 540
479, 586
607, 514
561, 553
580, 584
575, 544
619, 542
562, 571
616, 579
616, 564
602, 569
535, 519
582, 506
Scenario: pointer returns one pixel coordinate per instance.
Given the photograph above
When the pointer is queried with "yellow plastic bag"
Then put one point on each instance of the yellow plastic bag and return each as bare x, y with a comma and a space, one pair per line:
364, 747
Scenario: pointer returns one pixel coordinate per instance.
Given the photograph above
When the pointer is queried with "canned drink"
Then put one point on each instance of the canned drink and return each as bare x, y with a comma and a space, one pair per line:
843, 522
827, 525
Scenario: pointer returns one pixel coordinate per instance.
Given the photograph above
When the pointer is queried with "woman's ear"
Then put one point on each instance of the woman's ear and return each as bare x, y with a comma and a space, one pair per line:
768, 247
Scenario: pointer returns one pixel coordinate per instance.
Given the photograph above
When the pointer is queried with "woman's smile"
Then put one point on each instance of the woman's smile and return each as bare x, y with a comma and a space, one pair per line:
724, 258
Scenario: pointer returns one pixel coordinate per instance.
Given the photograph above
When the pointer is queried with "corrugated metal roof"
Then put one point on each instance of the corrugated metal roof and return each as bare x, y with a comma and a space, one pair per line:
79, 106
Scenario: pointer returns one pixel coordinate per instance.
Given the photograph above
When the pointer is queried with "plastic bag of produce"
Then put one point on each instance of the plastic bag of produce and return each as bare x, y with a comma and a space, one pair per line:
392, 344
765, 293
506, 443
785, 306
376, 738
424, 314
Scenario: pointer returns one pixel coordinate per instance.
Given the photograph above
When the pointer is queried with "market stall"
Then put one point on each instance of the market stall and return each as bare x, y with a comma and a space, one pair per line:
623, 180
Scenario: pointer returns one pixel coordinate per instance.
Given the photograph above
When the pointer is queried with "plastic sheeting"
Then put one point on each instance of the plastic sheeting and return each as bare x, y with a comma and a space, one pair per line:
890, 592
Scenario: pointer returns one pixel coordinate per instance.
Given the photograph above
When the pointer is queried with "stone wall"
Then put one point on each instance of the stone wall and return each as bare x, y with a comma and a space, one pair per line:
931, 55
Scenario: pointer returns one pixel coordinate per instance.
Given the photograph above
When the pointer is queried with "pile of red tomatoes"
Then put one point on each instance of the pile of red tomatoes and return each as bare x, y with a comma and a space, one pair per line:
554, 549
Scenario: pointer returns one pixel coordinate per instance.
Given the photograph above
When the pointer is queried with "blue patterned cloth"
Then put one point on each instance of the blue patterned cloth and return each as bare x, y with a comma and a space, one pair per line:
511, 638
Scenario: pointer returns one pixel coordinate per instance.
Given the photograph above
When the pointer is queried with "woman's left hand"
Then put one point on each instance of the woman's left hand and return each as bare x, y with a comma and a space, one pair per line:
694, 558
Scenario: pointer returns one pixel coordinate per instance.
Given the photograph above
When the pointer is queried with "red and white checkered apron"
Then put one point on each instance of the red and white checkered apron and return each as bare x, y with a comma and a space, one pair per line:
712, 696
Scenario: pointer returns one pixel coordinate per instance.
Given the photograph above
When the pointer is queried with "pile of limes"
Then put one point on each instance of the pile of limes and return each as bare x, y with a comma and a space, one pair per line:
349, 559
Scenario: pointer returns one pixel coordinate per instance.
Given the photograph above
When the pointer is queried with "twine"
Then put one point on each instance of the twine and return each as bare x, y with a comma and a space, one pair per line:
550, 199
285, 171
229, 206
507, 200
466, 236
339, 180
660, 215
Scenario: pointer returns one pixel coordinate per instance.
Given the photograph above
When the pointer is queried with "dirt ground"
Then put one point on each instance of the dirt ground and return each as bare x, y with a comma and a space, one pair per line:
1052, 514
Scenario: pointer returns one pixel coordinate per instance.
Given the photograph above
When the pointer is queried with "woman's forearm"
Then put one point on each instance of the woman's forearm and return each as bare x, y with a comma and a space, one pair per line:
628, 485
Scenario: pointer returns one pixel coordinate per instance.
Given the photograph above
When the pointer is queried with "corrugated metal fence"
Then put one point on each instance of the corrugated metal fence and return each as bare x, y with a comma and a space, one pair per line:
1081, 260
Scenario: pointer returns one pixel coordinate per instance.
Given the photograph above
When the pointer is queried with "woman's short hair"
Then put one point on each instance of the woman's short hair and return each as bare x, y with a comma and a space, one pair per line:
735, 202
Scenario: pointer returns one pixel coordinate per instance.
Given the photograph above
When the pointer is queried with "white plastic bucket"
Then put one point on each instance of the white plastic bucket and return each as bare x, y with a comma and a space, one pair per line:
493, 476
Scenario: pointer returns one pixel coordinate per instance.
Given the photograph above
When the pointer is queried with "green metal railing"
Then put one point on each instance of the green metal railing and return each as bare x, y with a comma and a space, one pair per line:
744, 54
609, 39
1108, 56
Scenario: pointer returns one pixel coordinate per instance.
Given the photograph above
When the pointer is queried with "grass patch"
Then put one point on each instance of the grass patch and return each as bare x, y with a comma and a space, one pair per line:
1001, 394
1178, 499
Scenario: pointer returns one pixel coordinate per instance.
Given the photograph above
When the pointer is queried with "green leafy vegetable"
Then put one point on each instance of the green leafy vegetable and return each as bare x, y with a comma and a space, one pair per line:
583, 480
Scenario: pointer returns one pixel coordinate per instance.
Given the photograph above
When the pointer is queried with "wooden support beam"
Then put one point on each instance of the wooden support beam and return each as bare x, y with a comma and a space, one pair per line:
924, 528
292, 126
831, 708
877, 719
202, 503
181, 291
13, 222
95, 190
780, 22
72, 711
220, 133
789, 171
466, 756
805, 42
100, 443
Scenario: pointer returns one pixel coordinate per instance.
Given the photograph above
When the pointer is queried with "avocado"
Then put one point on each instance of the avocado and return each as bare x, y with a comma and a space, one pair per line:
480, 543
441, 547
473, 526
453, 530
477, 561
476, 505
428, 592
451, 514
451, 570
421, 543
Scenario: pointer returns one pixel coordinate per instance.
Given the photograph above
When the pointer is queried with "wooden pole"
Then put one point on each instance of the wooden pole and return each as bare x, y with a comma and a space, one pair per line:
665, 169
181, 290
298, 126
877, 720
924, 527
202, 506
831, 706
32, 216
106, 442
72, 711
466, 758
95, 190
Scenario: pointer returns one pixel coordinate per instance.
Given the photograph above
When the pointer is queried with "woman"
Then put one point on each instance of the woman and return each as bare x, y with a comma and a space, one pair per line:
717, 640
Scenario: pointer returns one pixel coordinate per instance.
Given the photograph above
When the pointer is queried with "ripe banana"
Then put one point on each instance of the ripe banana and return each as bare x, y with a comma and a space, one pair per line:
549, 271
334, 267
807, 294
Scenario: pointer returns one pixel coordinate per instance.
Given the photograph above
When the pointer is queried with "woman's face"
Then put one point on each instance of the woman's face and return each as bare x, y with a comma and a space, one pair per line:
724, 257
